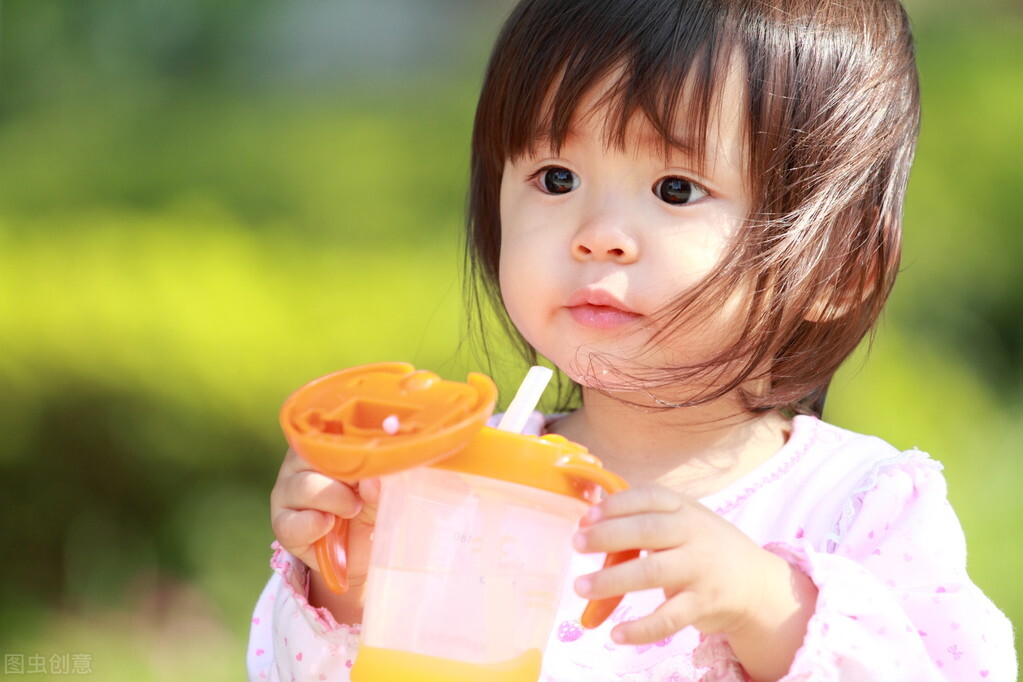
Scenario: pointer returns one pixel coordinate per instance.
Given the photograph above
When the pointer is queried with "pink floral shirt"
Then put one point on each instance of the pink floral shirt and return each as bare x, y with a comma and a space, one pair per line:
870, 525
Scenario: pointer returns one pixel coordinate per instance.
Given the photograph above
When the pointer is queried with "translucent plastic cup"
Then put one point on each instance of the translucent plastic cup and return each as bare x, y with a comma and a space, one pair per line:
473, 532
467, 569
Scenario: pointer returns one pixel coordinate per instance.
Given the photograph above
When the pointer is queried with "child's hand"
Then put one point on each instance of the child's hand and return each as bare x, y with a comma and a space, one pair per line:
303, 505
714, 577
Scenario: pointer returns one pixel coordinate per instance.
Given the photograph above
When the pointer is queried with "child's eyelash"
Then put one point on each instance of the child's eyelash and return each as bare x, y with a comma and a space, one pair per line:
540, 171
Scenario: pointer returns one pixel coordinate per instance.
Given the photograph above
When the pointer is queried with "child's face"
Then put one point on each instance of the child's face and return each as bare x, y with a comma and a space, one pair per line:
595, 239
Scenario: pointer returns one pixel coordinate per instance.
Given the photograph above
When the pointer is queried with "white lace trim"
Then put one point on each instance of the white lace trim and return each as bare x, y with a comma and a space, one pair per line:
854, 502
296, 581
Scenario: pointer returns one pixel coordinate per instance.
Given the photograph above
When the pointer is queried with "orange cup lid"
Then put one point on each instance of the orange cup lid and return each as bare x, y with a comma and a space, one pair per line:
378, 419
549, 462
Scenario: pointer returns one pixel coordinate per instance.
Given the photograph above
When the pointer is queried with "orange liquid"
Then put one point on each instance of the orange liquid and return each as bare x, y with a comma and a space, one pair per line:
387, 665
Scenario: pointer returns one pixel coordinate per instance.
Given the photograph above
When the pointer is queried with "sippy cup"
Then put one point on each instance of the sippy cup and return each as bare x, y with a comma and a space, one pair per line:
473, 533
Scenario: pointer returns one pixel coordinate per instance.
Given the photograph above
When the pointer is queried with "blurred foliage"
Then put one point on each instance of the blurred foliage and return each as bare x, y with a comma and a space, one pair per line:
205, 204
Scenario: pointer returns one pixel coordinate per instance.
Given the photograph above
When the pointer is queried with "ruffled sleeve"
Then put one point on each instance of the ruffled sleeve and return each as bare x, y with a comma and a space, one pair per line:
289, 638
895, 601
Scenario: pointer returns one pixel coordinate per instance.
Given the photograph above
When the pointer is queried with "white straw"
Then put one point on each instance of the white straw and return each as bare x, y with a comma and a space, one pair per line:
526, 399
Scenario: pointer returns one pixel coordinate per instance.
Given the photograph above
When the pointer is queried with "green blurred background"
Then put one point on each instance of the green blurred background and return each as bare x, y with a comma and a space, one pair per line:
206, 203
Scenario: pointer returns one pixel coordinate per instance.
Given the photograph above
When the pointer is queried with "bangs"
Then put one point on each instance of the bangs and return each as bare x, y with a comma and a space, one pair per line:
640, 61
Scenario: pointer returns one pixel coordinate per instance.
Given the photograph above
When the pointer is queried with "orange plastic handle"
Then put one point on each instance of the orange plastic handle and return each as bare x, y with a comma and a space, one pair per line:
332, 556
582, 466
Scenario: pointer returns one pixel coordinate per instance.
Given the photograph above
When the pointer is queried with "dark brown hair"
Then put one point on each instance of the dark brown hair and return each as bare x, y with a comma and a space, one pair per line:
832, 115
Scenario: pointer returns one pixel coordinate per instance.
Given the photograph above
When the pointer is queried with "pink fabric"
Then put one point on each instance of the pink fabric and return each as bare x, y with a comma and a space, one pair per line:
870, 525
289, 638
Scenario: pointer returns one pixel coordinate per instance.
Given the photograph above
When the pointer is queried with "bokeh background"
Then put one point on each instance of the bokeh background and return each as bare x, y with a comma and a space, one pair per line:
206, 203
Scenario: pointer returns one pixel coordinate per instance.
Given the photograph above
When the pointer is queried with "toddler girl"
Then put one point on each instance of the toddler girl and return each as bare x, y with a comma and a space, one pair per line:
693, 209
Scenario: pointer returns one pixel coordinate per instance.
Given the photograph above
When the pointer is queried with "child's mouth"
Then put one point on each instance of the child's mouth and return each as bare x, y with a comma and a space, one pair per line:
601, 316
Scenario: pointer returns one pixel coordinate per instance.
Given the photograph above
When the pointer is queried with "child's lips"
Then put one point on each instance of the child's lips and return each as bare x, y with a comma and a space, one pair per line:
602, 316
599, 309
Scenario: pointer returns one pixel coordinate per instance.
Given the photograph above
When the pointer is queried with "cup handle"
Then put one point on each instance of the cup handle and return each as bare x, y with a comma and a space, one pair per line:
332, 556
598, 610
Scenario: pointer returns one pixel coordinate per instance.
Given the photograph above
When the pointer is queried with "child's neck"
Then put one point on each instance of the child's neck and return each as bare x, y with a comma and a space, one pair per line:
696, 451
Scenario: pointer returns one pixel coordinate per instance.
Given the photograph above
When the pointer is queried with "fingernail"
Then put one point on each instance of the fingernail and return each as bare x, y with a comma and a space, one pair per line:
593, 514
618, 636
583, 586
579, 541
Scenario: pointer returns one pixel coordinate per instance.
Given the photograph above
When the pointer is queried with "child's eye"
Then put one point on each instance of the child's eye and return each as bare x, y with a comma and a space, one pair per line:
557, 180
678, 191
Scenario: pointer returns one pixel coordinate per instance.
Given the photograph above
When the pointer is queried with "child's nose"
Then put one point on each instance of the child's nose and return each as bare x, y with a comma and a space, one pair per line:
602, 242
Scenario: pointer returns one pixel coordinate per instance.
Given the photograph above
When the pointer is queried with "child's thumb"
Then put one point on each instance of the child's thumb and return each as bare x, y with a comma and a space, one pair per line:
369, 491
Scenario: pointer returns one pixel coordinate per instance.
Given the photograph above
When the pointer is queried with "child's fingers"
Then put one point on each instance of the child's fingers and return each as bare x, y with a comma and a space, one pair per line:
311, 490
297, 530
669, 618
644, 531
660, 570
369, 491
643, 498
